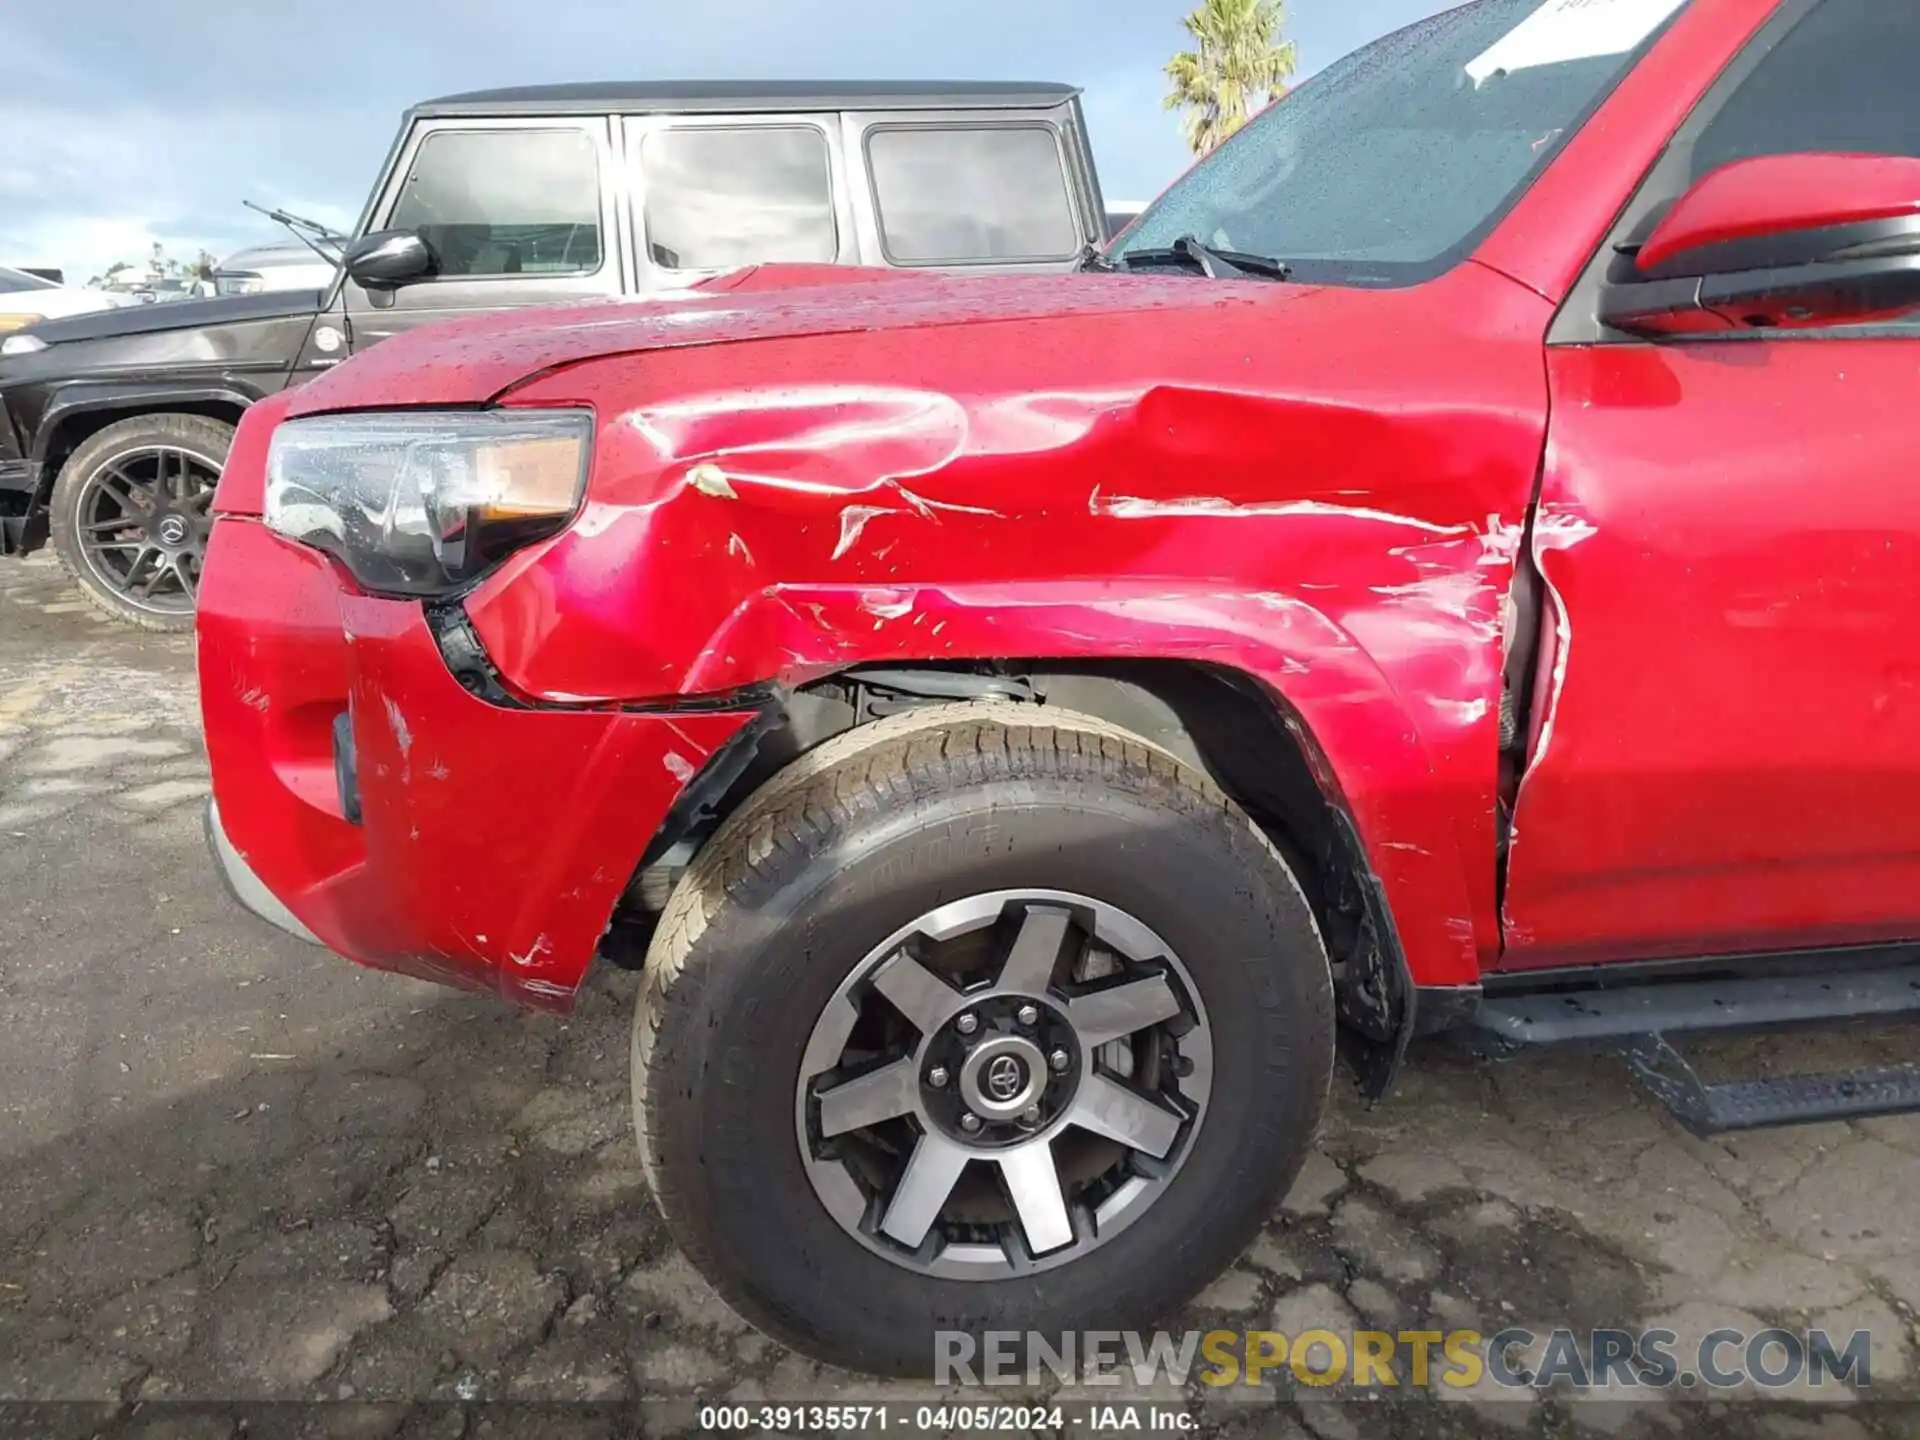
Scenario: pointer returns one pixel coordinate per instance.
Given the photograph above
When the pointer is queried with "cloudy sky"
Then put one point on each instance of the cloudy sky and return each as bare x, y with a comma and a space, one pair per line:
123, 124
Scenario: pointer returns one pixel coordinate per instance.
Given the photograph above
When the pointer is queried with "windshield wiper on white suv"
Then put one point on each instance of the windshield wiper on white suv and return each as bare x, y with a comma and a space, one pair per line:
1189, 250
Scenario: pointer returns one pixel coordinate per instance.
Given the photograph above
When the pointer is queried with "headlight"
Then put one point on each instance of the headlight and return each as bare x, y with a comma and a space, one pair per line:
420, 502
22, 345
18, 322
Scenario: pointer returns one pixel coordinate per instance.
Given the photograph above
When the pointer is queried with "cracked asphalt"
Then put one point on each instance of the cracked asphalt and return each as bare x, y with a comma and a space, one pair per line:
235, 1169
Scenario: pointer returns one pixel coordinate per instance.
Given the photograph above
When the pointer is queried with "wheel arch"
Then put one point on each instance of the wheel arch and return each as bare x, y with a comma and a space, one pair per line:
79, 412
1225, 722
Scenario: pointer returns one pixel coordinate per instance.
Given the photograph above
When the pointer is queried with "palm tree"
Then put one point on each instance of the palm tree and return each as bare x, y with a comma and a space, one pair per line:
1237, 64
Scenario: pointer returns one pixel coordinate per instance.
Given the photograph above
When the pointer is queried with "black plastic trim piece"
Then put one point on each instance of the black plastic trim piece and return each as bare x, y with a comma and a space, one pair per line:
1377, 1002
466, 658
700, 802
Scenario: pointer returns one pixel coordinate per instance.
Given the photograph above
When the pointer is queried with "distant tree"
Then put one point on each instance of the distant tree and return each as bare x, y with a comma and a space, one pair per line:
1238, 64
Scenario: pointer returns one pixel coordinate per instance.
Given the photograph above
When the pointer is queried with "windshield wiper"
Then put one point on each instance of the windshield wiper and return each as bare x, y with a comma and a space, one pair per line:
310, 233
1188, 250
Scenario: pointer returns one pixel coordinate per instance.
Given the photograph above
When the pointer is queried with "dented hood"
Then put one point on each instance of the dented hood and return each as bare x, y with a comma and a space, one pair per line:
470, 362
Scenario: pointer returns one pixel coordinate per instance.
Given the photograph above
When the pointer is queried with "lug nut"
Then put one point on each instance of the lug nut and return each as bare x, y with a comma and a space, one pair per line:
1028, 1015
937, 1077
967, 1024
1031, 1115
1059, 1060
969, 1122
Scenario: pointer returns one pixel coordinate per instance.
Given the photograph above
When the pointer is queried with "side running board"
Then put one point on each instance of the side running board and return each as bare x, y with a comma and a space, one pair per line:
1638, 1020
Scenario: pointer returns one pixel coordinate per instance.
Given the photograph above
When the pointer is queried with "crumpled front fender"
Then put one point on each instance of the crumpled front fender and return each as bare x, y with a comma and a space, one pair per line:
1336, 520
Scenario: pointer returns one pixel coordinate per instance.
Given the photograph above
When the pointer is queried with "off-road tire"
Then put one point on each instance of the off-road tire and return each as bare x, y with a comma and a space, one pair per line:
205, 437
861, 835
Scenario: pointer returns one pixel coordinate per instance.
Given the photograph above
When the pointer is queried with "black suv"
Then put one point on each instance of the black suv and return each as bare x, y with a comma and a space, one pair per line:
113, 427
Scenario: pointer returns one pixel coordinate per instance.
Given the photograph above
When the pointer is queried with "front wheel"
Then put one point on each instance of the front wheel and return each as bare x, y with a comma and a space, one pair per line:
983, 1017
131, 511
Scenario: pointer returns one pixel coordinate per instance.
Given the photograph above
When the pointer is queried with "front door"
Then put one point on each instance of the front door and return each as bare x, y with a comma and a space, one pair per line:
1727, 731
518, 213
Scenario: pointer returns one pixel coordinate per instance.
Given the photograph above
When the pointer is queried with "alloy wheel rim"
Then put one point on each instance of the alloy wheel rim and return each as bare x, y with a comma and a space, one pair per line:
143, 517
1004, 1085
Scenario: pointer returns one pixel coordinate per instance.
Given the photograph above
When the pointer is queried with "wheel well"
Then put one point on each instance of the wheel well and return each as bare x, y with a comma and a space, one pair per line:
1217, 720
72, 431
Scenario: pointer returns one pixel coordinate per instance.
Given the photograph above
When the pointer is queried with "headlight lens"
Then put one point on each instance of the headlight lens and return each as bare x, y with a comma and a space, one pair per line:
22, 345
18, 322
419, 503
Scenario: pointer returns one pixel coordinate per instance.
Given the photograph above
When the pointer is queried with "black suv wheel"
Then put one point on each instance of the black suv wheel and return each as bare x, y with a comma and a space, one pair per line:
982, 1017
131, 511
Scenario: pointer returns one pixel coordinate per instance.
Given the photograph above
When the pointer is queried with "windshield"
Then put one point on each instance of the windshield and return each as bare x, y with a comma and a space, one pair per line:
1387, 167
13, 280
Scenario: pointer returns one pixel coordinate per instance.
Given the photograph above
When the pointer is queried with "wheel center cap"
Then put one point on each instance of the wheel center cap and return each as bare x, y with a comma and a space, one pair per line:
1002, 1077
172, 530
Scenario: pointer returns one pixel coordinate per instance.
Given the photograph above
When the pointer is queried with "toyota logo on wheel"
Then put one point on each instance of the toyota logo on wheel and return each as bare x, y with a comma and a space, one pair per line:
1005, 1075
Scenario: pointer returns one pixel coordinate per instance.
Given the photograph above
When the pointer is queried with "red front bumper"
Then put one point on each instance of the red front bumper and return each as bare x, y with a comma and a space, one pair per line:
493, 842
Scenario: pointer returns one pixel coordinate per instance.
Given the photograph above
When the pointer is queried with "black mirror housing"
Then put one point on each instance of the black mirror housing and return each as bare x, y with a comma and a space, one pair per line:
389, 259
1847, 287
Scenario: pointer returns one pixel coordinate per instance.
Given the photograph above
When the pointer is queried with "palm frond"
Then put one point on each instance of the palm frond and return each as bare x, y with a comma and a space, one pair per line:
1237, 61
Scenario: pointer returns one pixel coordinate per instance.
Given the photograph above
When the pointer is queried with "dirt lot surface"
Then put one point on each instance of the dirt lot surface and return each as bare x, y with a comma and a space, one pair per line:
234, 1168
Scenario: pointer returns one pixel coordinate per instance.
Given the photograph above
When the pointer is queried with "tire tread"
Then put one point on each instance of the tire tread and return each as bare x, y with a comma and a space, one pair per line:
198, 430
863, 771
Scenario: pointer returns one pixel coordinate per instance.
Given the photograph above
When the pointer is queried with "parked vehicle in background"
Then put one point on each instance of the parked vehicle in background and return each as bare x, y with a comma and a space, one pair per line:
113, 429
169, 289
1451, 565
1121, 214
261, 269
28, 299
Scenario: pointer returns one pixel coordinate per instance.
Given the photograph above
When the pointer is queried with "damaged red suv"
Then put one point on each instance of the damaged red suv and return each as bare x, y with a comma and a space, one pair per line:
1450, 565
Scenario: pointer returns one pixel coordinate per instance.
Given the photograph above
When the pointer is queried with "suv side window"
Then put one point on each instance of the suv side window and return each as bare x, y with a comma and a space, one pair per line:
950, 195
719, 197
1843, 79
505, 202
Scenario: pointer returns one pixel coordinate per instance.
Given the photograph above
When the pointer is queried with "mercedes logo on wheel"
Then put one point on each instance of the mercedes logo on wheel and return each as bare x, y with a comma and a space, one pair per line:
1004, 1078
173, 530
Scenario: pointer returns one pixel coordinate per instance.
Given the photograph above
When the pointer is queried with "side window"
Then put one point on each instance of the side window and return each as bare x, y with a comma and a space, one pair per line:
955, 195
718, 197
1843, 79
505, 202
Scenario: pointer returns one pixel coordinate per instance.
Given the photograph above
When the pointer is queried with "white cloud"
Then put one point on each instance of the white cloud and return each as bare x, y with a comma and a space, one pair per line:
84, 188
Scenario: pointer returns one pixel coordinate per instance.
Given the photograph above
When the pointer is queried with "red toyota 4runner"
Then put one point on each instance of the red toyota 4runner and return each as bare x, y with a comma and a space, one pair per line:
1453, 563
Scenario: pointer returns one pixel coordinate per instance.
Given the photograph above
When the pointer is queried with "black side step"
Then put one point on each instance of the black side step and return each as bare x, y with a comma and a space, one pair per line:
1553, 1017
1780, 1100
1637, 1019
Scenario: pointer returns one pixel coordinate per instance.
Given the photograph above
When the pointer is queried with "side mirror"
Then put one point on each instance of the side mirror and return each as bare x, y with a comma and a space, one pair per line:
387, 259
1787, 241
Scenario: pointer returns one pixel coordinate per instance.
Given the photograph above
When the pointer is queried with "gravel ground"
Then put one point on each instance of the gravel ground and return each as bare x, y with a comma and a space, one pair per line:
236, 1169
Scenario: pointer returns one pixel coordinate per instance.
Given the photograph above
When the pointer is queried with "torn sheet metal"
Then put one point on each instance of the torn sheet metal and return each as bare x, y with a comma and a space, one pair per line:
970, 484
